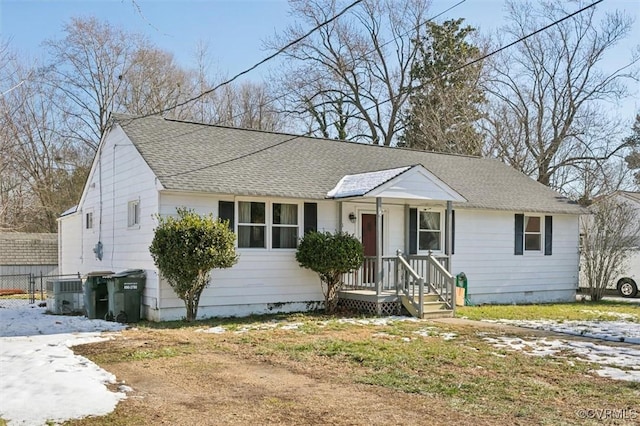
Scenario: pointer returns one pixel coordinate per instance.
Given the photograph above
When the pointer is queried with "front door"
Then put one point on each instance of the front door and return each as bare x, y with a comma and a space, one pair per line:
369, 234
369, 243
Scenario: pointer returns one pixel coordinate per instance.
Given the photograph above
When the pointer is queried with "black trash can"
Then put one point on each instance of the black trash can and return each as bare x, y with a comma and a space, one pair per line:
96, 300
125, 295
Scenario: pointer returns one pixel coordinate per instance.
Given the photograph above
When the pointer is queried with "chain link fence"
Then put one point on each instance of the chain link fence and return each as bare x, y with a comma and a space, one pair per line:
17, 290
26, 289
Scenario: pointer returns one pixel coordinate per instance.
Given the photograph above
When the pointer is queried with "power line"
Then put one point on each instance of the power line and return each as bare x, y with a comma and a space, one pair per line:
307, 134
253, 67
364, 55
275, 99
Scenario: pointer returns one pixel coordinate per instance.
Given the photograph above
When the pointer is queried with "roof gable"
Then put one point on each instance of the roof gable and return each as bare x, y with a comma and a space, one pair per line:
413, 182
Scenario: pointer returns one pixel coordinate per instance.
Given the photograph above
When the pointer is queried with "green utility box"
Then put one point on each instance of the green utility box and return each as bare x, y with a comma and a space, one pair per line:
125, 295
95, 293
461, 290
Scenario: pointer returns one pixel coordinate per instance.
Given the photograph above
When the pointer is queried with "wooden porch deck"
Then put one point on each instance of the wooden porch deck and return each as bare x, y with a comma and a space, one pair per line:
428, 293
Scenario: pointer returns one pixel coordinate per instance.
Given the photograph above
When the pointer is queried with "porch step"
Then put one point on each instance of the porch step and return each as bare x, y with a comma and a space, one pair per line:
432, 307
442, 313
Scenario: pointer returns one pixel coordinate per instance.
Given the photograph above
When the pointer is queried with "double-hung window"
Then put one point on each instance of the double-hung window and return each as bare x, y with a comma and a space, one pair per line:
532, 233
429, 231
284, 232
252, 225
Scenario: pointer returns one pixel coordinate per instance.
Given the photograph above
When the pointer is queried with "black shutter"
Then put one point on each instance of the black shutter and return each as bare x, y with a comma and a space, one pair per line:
310, 217
548, 234
413, 231
453, 231
519, 233
226, 212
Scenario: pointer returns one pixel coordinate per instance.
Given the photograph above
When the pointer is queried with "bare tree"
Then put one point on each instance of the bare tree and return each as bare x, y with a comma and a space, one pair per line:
88, 67
153, 83
608, 237
247, 105
350, 79
42, 171
550, 95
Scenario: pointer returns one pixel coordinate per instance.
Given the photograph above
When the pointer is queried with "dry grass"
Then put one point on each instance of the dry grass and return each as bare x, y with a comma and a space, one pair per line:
328, 372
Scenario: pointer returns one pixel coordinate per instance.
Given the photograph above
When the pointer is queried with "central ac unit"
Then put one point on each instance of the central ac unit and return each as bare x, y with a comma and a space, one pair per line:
65, 297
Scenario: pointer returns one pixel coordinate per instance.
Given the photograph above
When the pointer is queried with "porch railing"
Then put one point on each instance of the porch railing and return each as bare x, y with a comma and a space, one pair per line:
441, 281
402, 273
410, 284
365, 277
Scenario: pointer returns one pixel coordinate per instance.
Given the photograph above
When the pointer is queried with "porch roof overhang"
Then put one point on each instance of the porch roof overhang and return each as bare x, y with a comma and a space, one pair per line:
410, 182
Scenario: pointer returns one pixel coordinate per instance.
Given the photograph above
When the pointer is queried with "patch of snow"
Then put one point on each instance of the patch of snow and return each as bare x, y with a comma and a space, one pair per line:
376, 321
614, 331
448, 336
292, 326
42, 379
618, 374
615, 361
212, 330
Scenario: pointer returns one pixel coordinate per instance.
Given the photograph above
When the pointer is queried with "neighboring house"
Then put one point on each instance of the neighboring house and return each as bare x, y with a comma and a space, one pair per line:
28, 253
516, 240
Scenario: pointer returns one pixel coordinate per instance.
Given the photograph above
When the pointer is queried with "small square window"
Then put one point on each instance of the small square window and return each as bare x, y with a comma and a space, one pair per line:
88, 220
133, 213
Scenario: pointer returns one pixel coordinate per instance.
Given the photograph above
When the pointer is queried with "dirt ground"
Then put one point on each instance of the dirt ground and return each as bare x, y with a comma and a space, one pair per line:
217, 388
225, 384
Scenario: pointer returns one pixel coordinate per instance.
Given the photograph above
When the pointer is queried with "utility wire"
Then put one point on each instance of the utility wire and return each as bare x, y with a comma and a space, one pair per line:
282, 96
364, 55
307, 134
253, 67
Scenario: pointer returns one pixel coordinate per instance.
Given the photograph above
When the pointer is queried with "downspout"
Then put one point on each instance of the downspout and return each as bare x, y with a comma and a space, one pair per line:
378, 245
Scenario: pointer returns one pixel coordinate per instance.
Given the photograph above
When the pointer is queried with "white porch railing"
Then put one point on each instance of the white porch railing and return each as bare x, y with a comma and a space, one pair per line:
365, 277
411, 275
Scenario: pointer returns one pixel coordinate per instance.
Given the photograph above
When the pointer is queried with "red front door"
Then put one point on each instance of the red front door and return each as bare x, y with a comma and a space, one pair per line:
369, 234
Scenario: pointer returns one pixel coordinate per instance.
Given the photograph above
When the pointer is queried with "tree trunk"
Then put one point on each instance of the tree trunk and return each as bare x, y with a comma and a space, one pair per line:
191, 302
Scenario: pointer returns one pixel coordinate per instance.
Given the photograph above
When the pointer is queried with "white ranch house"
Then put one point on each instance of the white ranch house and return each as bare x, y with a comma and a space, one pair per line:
515, 239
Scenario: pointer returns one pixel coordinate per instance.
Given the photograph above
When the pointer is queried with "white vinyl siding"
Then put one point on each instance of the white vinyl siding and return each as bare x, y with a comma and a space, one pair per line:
484, 252
119, 175
263, 280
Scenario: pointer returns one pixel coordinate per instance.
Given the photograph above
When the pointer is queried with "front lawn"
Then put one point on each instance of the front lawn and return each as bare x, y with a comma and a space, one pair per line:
311, 369
588, 311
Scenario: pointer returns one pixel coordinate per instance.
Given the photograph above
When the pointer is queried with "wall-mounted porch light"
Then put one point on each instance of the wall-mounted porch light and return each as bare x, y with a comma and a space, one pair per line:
352, 217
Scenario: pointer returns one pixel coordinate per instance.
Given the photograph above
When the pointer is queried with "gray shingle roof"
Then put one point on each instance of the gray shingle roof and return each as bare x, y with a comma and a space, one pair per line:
204, 158
19, 248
